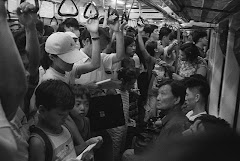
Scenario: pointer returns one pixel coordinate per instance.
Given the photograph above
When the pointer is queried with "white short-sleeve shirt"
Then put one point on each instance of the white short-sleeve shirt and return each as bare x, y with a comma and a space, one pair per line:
99, 74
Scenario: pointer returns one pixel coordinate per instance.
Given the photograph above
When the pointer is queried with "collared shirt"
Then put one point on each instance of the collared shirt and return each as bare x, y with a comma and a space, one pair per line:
51, 73
192, 117
99, 74
174, 123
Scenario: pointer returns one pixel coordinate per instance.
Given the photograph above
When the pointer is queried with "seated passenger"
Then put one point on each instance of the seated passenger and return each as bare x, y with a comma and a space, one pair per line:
196, 96
169, 100
209, 138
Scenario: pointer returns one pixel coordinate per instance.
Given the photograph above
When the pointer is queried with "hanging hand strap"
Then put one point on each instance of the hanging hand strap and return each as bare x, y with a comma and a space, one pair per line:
67, 14
113, 15
95, 16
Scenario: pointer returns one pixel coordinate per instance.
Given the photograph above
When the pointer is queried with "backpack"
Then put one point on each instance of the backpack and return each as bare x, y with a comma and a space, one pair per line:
48, 144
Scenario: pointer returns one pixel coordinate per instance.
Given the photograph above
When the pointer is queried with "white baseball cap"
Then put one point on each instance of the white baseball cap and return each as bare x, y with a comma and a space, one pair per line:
63, 45
71, 34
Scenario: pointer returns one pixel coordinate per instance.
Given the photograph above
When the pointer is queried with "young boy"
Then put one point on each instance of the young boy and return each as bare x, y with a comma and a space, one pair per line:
54, 100
80, 110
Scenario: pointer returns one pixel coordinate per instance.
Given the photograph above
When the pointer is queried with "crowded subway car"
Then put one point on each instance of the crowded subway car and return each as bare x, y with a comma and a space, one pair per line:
119, 80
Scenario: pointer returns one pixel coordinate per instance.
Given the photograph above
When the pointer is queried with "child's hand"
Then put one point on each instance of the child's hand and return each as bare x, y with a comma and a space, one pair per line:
98, 140
26, 18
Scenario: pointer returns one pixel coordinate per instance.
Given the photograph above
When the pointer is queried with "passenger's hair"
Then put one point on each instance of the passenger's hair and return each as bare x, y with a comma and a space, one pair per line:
149, 29
45, 61
191, 51
61, 28
71, 22
48, 30
128, 40
80, 91
131, 32
177, 87
213, 124
173, 35
54, 94
150, 47
200, 83
164, 31
197, 35
127, 74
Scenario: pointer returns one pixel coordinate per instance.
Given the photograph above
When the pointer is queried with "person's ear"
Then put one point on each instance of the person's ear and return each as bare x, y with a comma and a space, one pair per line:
197, 97
52, 57
41, 109
177, 100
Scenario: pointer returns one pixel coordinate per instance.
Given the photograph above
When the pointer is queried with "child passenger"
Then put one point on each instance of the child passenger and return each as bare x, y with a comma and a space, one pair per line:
54, 100
80, 110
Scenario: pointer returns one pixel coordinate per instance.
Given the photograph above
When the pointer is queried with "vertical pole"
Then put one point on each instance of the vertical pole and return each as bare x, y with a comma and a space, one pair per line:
177, 50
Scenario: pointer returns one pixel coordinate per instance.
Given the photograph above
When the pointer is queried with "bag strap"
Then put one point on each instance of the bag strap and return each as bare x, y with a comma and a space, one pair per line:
48, 144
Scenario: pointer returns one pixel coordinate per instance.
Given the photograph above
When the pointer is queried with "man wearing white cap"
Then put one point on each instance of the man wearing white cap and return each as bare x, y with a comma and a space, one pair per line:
75, 38
63, 54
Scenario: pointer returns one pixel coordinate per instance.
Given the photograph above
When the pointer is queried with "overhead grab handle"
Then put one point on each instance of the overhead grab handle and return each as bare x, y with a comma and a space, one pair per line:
125, 17
55, 20
34, 10
113, 15
67, 14
140, 21
90, 14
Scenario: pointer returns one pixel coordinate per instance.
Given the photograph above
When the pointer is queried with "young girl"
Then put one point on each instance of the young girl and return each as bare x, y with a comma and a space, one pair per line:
128, 77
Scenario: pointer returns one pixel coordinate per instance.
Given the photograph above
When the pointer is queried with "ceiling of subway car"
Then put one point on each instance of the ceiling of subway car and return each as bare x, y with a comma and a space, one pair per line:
212, 11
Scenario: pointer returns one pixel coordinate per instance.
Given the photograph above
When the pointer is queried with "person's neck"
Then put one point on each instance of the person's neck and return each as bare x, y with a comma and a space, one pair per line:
48, 128
151, 39
175, 108
200, 45
199, 108
58, 69
86, 51
164, 44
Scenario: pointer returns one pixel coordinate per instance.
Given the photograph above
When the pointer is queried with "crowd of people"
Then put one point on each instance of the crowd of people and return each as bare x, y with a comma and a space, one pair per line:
48, 80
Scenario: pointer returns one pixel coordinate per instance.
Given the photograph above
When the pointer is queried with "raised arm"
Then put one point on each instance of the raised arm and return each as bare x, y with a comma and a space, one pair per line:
92, 26
29, 19
13, 81
118, 31
105, 18
144, 52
